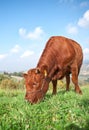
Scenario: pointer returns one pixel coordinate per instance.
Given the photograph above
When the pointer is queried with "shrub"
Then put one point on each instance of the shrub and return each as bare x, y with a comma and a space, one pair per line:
10, 83
2, 77
7, 83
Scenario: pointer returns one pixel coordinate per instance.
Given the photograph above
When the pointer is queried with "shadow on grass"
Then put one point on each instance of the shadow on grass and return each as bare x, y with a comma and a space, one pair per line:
49, 95
75, 127
60, 92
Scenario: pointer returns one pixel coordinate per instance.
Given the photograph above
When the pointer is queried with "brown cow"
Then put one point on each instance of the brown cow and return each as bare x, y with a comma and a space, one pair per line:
60, 58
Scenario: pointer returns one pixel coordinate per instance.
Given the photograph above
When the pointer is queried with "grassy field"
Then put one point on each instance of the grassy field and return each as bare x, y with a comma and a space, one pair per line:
65, 111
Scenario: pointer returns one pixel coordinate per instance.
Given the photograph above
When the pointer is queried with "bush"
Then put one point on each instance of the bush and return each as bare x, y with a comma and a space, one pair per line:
2, 77
11, 84
7, 83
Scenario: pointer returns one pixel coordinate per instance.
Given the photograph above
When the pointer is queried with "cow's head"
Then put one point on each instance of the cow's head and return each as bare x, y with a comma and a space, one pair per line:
36, 84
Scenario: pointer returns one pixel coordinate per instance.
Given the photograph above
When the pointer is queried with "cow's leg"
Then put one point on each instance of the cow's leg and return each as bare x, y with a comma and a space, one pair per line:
75, 79
54, 82
67, 82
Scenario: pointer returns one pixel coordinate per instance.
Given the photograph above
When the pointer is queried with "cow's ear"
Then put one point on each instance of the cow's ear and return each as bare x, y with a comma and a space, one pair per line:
45, 73
45, 70
25, 75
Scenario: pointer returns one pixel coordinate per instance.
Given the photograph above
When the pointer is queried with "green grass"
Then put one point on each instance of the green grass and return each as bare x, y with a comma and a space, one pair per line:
65, 111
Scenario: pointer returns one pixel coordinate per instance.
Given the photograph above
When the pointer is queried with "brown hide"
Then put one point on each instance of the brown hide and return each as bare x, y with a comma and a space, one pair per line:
60, 58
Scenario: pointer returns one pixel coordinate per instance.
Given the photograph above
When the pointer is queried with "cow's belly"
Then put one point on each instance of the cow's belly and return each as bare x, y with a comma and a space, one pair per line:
61, 74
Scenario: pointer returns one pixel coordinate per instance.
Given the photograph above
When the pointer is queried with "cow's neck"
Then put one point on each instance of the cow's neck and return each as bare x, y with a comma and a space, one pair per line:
47, 60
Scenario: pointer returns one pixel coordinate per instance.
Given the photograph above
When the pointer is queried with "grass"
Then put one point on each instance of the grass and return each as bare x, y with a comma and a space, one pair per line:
65, 111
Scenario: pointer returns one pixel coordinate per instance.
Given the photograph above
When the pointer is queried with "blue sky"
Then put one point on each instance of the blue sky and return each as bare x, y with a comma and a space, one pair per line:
26, 25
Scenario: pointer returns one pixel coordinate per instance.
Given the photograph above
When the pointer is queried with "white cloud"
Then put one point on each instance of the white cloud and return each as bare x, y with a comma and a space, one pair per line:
27, 54
3, 56
72, 29
86, 53
16, 49
22, 32
34, 35
84, 21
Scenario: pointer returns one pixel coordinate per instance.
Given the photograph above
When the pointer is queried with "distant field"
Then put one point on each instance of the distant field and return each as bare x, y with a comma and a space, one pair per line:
65, 111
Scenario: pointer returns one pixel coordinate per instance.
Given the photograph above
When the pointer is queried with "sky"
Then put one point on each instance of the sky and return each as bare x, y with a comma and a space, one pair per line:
26, 25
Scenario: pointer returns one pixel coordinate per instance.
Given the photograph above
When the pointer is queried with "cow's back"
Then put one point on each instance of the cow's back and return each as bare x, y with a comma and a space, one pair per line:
64, 49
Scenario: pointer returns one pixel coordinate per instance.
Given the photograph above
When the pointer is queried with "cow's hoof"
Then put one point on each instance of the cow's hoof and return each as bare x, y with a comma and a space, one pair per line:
78, 91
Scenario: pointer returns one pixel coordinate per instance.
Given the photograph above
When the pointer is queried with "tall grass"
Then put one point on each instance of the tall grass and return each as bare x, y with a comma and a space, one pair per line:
65, 111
